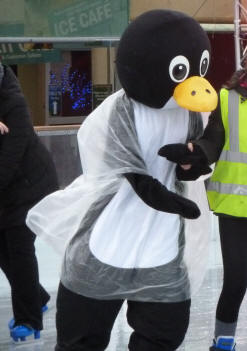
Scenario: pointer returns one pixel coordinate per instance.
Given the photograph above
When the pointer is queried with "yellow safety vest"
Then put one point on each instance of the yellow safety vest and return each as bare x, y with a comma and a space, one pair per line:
227, 187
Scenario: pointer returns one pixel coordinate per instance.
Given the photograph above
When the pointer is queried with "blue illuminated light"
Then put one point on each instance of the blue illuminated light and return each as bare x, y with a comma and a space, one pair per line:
75, 85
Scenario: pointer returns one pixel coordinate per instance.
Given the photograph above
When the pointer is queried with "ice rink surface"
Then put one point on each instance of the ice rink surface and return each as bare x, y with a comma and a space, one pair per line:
199, 335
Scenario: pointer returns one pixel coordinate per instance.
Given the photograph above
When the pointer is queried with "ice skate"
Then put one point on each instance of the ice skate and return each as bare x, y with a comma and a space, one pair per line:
20, 333
226, 343
11, 323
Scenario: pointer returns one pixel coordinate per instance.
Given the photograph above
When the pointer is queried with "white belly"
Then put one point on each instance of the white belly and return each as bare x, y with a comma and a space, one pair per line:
129, 233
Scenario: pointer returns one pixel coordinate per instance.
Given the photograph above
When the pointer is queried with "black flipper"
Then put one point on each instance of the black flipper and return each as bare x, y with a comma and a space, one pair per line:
157, 196
179, 153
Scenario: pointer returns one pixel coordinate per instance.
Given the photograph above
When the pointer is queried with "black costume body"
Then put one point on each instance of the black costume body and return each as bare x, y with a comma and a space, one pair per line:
27, 174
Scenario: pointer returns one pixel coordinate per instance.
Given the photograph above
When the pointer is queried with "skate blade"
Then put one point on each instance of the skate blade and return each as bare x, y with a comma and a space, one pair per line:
30, 344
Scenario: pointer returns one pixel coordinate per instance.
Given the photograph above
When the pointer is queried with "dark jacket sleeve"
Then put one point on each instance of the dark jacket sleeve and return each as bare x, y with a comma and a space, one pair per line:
207, 149
13, 144
213, 137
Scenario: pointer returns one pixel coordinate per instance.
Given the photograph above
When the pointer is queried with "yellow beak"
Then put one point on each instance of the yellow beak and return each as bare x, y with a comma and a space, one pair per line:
196, 94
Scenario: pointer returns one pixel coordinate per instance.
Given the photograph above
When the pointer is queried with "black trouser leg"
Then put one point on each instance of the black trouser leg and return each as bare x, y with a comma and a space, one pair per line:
19, 263
44, 296
157, 326
84, 324
233, 235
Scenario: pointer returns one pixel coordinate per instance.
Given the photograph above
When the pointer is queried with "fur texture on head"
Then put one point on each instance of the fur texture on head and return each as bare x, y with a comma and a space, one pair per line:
147, 48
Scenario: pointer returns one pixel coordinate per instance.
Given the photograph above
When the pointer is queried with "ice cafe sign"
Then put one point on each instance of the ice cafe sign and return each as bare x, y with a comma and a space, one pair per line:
63, 18
90, 18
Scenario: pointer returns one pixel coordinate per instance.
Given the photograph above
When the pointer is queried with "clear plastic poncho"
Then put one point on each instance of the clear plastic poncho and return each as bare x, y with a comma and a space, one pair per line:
114, 245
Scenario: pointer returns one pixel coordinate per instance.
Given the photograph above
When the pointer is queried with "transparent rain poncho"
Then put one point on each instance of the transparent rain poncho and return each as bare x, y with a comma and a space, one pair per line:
114, 245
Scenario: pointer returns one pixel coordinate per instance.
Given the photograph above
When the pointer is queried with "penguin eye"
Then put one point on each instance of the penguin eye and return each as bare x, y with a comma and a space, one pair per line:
204, 63
179, 68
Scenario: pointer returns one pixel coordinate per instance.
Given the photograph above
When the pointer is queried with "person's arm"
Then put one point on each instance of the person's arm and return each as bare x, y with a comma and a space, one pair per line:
13, 144
157, 196
206, 150
213, 138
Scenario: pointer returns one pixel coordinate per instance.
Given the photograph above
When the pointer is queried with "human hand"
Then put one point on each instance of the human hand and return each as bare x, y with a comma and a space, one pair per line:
3, 128
188, 166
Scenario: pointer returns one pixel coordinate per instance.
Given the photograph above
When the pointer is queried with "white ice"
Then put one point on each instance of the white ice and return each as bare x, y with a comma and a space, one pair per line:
199, 335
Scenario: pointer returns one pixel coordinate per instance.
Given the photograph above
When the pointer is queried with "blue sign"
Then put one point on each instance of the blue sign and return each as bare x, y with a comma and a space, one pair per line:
55, 100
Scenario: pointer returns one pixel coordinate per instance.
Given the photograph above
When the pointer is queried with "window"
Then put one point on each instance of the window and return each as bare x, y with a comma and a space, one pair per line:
70, 88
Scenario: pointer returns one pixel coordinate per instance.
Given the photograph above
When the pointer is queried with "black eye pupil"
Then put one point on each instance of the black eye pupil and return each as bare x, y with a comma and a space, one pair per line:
204, 66
179, 71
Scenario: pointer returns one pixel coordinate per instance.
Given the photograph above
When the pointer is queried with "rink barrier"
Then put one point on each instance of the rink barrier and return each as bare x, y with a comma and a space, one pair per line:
57, 130
61, 141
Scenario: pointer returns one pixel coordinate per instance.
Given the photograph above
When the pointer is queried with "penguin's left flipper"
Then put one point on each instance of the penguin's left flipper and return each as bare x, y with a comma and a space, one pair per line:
180, 153
193, 173
157, 196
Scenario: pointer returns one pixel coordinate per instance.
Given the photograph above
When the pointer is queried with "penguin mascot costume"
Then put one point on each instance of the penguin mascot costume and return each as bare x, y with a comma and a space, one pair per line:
120, 225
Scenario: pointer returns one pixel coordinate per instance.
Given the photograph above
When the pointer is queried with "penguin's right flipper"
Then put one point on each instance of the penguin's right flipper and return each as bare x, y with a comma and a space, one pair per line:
157, 196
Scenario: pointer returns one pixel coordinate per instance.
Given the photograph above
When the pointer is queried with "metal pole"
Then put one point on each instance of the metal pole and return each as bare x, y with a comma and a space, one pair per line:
57, 40
237, 34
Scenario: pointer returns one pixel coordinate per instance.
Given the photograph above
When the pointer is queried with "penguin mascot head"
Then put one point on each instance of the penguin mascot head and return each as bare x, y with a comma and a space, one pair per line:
162, 54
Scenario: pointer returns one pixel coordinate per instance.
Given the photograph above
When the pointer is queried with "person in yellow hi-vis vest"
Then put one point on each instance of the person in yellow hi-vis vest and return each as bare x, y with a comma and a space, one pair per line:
225, 142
